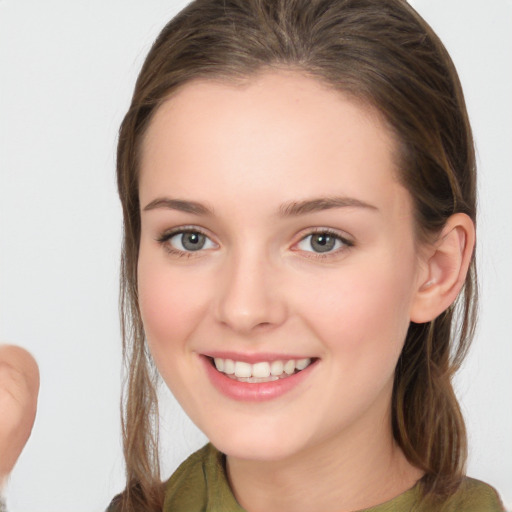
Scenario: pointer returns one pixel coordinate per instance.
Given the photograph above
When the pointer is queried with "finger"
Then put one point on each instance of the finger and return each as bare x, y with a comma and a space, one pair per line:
19, 387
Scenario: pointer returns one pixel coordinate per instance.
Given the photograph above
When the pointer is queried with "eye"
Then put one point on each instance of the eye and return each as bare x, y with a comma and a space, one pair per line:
323, 242
187, 241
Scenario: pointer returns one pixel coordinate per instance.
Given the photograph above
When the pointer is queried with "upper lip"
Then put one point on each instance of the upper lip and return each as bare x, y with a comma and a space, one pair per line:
254, 357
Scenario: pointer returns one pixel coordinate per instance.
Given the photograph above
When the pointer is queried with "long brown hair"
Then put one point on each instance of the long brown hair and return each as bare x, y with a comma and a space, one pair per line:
380, 52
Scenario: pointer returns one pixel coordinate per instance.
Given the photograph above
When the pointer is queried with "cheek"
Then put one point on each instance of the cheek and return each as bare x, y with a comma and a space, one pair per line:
361, 318
362, 311
171, 304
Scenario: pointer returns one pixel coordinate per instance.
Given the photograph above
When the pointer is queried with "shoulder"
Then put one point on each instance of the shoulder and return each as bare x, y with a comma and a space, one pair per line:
474, 496
186, 488
471, 496
192, 470
200, 484
115, 504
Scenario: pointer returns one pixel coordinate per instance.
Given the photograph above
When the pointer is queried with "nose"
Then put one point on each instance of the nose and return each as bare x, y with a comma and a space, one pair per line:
249, 297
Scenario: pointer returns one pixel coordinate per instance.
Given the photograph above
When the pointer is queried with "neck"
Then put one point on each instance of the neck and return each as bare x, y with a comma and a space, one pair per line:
353, 471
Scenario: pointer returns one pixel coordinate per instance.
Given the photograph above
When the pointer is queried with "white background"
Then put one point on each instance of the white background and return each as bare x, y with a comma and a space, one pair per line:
67, 69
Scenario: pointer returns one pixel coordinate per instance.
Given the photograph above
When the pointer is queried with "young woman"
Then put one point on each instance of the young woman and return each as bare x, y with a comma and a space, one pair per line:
298, 188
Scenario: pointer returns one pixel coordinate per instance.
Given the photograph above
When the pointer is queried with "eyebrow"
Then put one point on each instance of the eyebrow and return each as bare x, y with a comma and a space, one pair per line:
180, 205
290, 209
295, 208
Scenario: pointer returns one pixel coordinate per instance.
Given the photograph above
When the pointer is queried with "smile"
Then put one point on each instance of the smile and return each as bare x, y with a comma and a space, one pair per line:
264, 371
258, 380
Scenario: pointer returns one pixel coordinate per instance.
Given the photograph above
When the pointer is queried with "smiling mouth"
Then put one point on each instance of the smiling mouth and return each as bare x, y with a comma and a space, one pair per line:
264, 371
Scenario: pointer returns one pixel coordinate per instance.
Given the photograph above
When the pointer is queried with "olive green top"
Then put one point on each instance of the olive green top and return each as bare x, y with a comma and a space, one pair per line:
200, 485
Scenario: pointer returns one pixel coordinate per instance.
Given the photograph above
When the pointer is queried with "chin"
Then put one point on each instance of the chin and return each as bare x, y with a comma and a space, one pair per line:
249, 444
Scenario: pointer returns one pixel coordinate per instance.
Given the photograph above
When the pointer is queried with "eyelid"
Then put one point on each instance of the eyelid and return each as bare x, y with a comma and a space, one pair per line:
166, 236
345, 240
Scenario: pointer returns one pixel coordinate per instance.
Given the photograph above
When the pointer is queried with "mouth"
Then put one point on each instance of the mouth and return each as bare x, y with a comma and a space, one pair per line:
258, 378
261, 371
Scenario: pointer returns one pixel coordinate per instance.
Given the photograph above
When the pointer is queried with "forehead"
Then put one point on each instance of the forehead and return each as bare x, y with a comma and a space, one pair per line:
279, 128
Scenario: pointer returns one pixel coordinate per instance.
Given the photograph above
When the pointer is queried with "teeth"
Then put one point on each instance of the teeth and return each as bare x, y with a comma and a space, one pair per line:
289, 367
302, 363
260, 372
229, 367
243, 369
276, 368
255, 380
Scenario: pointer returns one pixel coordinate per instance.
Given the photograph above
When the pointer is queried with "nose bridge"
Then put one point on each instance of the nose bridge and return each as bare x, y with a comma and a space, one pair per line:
248, 297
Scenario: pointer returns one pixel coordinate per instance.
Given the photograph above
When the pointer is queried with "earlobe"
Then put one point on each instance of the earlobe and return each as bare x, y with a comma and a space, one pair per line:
445, 269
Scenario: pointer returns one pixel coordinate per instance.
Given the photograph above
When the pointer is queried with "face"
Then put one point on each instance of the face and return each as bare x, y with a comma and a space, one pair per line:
276, 244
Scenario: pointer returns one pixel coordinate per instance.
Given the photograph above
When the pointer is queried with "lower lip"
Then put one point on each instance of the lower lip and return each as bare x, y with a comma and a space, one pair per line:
254, 392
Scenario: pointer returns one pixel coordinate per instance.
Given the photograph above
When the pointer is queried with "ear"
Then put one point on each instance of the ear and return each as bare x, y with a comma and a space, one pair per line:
444, 270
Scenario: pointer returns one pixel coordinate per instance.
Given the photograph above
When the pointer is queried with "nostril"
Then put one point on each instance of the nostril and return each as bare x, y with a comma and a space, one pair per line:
262, 325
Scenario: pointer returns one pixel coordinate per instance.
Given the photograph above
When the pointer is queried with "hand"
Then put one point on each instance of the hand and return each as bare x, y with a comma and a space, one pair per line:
19, 387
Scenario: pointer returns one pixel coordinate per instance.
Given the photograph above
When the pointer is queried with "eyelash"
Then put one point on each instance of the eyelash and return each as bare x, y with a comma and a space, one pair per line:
166, 236
346, 243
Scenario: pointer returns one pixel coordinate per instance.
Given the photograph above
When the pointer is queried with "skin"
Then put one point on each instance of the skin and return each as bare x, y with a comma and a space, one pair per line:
243, 151
19, 387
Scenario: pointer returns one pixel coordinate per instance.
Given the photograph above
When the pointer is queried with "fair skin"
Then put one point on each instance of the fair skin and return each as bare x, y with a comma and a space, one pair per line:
266, 271
19, 387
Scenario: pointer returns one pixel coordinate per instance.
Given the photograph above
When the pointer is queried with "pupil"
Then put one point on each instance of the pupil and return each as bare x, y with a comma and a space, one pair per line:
322, 243
193, 241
